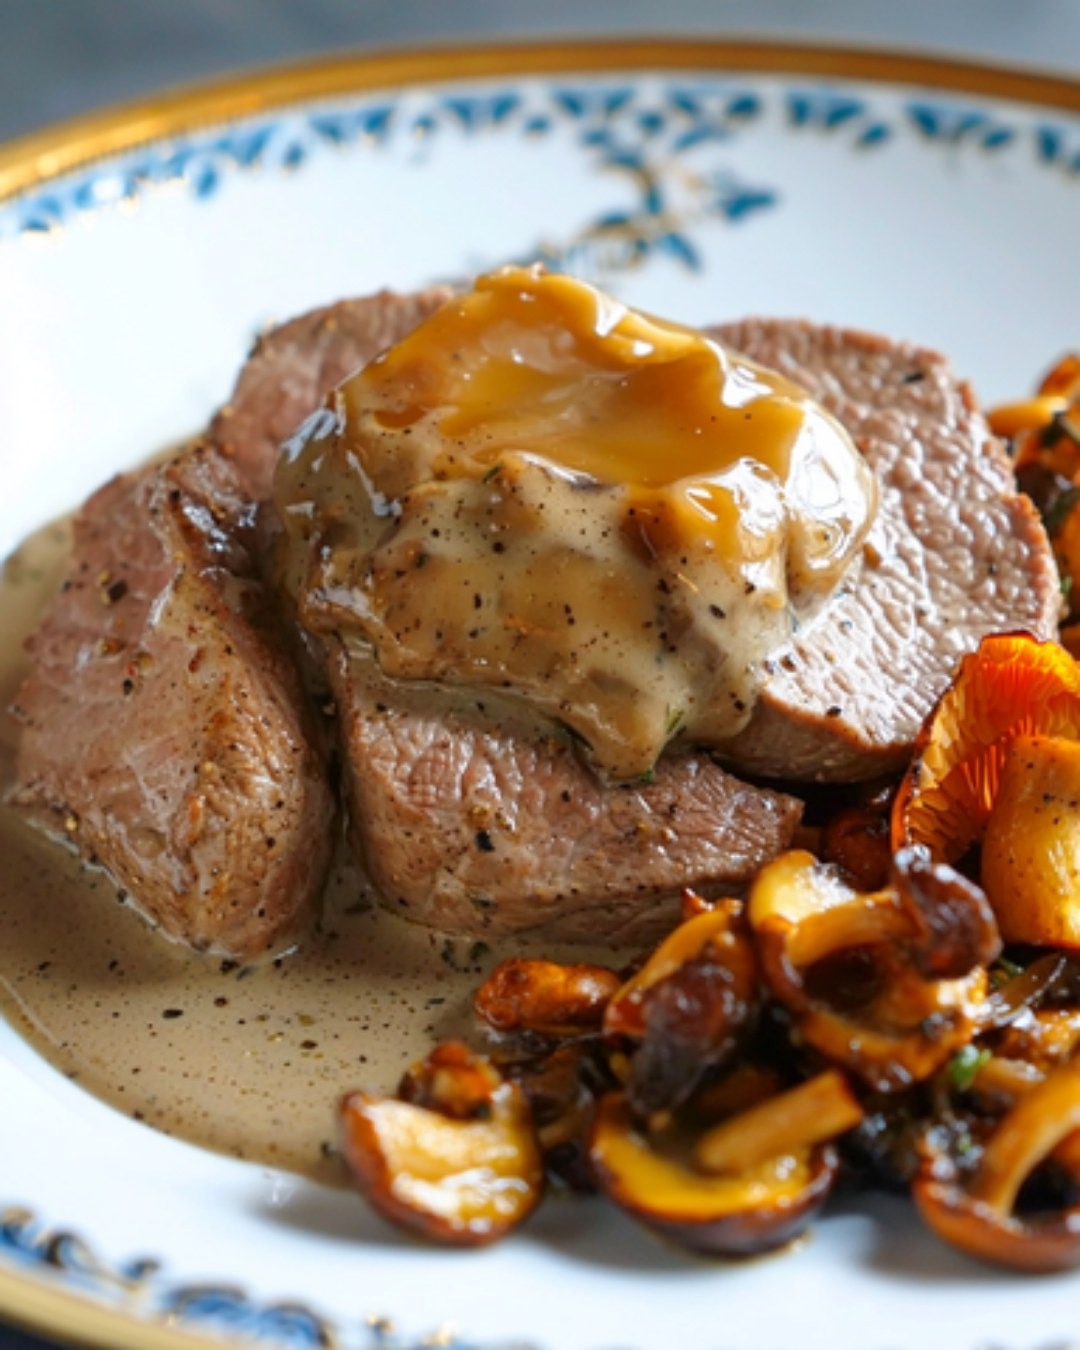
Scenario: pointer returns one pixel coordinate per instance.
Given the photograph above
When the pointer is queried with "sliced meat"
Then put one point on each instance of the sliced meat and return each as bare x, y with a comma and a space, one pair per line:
955, 554
295, 365
467, 824
164, 732
473, 824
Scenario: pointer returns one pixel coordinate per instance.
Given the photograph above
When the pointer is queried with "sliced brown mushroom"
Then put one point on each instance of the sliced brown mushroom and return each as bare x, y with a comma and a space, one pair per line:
862, 971
688, 1008
561, 1088
954, 926
545, 997
464, 1178
857, 841
755, 1210
451, 1080
980, 1215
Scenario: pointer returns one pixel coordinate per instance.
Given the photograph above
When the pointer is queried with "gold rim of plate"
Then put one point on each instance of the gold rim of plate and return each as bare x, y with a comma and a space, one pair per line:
40, 156
70, 1319
34, 159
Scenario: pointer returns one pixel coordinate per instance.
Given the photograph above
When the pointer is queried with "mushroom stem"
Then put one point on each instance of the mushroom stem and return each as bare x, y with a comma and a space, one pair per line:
811, 1113
1041, 1120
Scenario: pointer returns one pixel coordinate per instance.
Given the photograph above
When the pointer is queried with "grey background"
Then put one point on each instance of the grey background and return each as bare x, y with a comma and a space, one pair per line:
59, 58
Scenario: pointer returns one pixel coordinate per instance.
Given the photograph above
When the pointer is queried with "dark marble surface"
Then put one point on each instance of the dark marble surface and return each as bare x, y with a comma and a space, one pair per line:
59, 58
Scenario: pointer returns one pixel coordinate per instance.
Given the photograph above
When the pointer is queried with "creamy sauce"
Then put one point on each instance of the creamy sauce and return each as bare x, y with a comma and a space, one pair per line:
249, 1061
608, 515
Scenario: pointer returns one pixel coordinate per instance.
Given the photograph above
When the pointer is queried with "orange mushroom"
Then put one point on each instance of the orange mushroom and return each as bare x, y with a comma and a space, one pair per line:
544, 997
1012, 685
1063, 378
1045, 429
688, 1008
740, 1212
998, 763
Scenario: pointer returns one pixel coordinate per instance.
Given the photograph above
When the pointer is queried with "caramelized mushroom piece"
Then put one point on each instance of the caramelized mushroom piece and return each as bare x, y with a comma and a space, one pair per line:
1045, 429
451, 1080
688, 1008
561, 1088
755, 1210
463, 1173
857, 841
888, 983
545, 997
955, 928
998, 762
981, 1215
1031, 853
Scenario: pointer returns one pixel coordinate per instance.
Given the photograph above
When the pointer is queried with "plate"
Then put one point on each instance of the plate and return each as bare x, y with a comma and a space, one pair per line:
141, 252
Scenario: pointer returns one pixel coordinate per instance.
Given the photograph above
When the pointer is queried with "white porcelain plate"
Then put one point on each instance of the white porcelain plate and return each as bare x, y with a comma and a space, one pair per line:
139, 255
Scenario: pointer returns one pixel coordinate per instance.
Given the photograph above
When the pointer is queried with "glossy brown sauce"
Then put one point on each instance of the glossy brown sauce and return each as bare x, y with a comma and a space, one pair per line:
247, 1062
250, 1061
610, 517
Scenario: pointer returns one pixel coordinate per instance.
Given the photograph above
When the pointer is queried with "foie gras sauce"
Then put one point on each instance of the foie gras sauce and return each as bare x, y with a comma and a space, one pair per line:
612, 516
607, 515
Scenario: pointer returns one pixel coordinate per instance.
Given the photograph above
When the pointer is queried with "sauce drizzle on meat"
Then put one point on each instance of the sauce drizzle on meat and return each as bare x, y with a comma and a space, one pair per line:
611, 516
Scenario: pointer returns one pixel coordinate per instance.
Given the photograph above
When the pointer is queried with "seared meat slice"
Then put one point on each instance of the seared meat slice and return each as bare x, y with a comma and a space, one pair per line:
955, 554
163, 727
474, 824
294, 366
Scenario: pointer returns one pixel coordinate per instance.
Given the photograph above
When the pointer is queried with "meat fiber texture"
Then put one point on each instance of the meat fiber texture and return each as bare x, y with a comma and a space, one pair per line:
465, 823
473, 826
955, 553
294, 366
164, 731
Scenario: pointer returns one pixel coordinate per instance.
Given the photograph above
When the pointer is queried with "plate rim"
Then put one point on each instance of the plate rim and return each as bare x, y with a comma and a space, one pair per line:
63, 147
40, 1308
30, 1299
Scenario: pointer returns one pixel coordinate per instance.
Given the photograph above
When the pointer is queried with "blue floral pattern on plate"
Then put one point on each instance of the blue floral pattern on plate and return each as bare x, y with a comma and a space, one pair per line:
667, 143
668, 140
222, 1310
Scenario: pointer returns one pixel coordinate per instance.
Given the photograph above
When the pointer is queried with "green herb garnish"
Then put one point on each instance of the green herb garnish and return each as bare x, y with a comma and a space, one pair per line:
965, 1065
1003, 970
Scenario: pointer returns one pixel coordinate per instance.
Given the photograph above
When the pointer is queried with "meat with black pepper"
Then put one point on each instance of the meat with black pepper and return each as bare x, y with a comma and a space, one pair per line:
164, 730
955, 553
